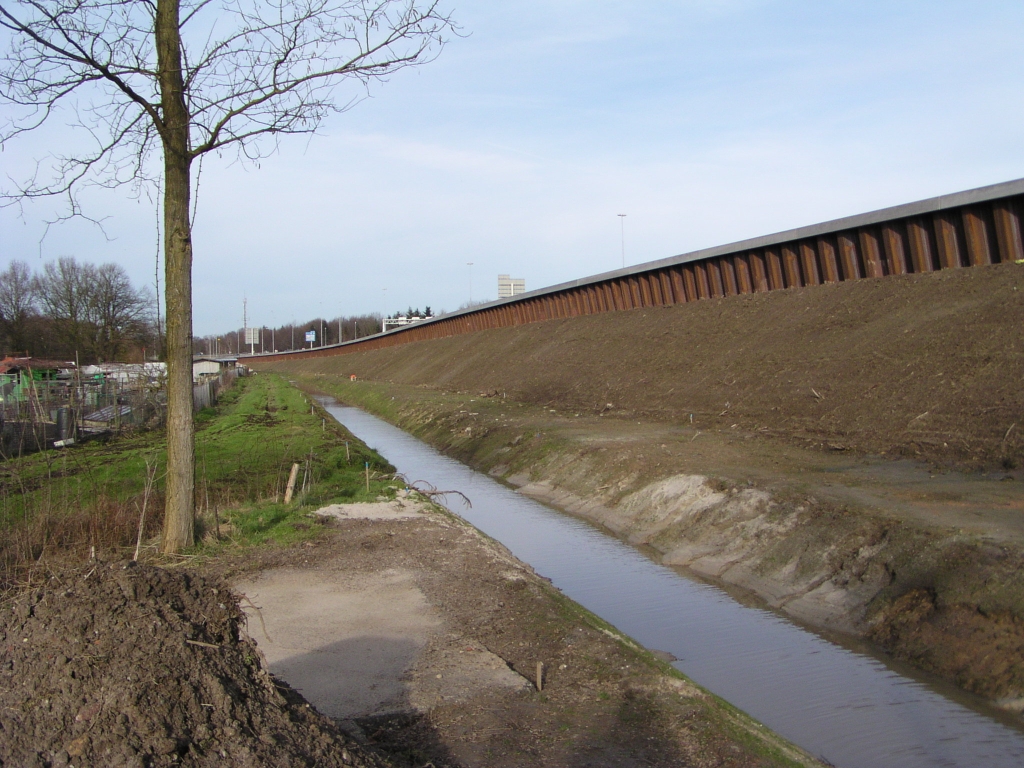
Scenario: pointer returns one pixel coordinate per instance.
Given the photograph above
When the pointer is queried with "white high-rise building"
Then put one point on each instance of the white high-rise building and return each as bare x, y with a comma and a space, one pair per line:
510, 286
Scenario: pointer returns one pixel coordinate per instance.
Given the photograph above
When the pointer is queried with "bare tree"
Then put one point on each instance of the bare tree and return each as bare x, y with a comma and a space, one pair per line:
191, 77
117, 309
64, 291
17, 304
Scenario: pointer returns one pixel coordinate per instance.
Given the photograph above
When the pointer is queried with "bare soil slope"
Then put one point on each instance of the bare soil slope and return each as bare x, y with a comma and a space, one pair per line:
926, 366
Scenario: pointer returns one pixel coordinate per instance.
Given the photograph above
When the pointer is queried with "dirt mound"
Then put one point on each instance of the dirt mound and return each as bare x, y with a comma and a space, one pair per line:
140, 666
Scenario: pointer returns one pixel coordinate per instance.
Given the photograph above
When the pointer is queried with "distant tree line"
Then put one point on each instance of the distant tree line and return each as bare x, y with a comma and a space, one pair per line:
411, 313
72, 310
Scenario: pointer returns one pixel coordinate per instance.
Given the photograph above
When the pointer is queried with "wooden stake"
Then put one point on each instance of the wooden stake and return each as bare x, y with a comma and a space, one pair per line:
367, 477
150, 477
540, 675
290, 489
348, 456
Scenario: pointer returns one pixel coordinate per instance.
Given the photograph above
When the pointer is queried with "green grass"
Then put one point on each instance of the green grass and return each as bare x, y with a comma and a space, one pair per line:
92, 494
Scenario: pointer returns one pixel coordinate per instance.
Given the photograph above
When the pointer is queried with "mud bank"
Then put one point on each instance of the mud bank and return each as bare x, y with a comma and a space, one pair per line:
946, 596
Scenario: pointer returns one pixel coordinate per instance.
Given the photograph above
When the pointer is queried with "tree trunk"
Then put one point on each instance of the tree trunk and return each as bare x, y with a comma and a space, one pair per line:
179, 520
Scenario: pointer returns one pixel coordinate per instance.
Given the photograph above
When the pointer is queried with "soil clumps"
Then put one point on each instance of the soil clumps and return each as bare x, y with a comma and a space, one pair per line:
132, 665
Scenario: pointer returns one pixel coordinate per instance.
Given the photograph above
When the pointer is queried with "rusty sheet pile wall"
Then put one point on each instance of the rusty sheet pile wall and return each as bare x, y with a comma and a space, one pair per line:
974, 228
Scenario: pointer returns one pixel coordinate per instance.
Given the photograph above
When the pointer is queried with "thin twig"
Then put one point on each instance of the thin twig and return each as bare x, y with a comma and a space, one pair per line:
200, 642
259, 615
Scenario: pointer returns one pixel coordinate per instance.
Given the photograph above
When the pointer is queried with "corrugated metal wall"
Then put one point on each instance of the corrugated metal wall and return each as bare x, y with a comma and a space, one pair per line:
968, 229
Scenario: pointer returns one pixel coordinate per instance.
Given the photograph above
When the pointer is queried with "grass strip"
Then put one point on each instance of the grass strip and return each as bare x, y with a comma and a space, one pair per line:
88, 499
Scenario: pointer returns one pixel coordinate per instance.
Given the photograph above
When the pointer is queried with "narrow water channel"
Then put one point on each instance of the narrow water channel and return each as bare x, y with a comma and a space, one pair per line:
846, 707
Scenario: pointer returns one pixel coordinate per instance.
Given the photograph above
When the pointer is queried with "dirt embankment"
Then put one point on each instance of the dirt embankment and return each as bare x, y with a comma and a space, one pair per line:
131, 665
925, 366
752, 439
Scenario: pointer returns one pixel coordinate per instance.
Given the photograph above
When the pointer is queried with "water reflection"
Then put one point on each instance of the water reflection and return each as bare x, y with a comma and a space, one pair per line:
844, 706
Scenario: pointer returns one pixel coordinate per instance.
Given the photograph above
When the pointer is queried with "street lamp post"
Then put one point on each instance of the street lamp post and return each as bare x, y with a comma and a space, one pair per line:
622, 227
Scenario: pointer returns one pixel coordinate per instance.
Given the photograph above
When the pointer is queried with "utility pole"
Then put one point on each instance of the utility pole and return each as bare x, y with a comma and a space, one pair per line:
245, 327
622, 223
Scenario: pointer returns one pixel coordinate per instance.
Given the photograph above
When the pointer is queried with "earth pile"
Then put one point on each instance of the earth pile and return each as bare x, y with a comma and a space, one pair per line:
133, 665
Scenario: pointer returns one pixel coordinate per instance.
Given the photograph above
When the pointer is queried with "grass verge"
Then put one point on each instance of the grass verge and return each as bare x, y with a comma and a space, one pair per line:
89, 500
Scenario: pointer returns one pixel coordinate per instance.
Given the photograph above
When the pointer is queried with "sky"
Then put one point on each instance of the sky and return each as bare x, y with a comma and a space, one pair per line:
704, 121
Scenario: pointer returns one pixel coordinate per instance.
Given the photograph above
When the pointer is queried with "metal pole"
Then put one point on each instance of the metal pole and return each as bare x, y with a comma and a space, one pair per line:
470, 265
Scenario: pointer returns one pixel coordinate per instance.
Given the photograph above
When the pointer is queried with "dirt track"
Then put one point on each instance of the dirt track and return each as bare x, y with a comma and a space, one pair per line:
423, 637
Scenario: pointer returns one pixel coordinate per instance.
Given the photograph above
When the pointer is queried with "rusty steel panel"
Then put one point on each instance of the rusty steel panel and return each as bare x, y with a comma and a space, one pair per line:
976, 233
580, 299
791, 266
665, 287
715, 278
644, 286
690, 282
946, 240
700, 273
631, 292
619, 293
743, 282
871, 253
759, 271
675, 275
922, 255
829, 261
895, 254
809, 263
848, 259
725, 266
776, 280
1008, 235
658, 282
619, 303
654, 288
614, 301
